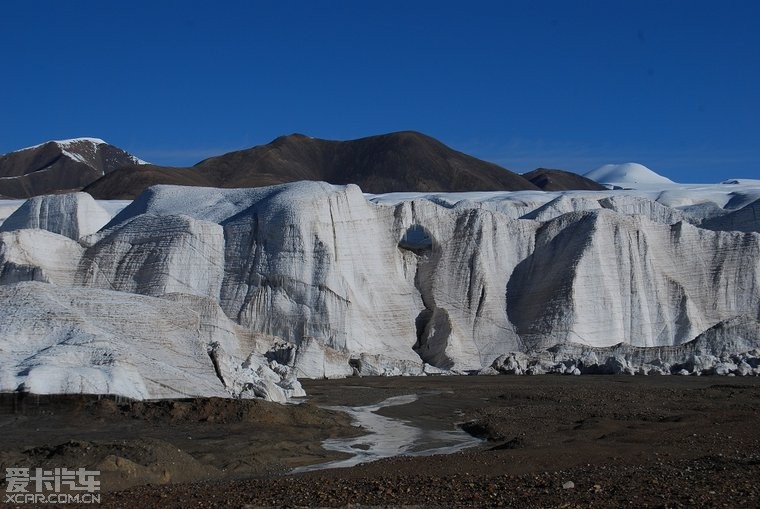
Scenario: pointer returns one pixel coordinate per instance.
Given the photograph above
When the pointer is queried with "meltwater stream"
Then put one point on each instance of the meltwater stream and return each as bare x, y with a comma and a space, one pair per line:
389, 437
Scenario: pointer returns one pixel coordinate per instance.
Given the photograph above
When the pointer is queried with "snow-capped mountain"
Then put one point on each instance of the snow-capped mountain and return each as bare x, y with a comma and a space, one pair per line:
57, 166
207, 291
627, 175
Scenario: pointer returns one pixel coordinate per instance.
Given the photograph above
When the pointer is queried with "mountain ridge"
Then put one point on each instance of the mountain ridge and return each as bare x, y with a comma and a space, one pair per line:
393, 162
403, 161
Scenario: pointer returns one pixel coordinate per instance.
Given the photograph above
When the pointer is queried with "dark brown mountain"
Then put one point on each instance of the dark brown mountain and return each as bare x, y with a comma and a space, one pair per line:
129, 181
59, 166
560, 180
403, 161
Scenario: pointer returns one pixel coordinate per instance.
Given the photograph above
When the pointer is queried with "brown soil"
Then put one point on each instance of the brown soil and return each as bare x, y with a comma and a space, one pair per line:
622, 441
134, 442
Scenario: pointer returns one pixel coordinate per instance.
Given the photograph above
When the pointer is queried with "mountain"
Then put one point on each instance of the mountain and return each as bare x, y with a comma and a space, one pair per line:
129, 181
397, 162
59, 166
627, 175
559, 180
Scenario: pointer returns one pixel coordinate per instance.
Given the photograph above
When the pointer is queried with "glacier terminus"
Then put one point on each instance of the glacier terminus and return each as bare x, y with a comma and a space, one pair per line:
190, 291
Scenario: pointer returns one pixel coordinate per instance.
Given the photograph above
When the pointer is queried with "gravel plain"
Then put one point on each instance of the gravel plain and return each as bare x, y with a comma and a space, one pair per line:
548, 441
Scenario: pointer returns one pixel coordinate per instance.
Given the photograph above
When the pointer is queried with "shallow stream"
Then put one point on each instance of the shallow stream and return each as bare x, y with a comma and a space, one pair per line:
388, 436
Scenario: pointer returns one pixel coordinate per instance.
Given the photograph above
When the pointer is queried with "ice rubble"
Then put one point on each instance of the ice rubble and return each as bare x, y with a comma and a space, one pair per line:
728, 348
238, 291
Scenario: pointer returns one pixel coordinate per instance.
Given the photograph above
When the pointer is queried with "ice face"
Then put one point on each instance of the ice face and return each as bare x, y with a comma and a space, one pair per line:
316, 280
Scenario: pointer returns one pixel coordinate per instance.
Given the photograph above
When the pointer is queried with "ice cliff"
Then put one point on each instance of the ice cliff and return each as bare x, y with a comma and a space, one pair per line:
201, 291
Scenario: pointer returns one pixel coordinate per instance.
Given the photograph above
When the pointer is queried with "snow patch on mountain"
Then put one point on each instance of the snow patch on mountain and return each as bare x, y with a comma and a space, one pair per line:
65, 144
137, 160
626, 175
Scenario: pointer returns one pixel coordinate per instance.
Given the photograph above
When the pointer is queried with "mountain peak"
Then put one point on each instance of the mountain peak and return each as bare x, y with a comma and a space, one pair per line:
286, 138
72, 141
59, 165
66, 143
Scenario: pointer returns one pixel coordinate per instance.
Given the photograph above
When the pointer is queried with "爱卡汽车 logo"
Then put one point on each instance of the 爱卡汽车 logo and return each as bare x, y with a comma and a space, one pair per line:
56, 486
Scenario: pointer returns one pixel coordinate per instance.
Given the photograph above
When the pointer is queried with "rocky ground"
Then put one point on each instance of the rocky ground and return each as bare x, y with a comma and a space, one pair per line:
133, 442
549, 441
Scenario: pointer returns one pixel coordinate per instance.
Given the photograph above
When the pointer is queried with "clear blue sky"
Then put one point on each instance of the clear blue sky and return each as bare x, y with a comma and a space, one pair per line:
674, 85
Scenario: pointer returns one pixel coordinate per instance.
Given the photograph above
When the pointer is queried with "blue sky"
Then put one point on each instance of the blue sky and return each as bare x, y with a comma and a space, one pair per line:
575, 84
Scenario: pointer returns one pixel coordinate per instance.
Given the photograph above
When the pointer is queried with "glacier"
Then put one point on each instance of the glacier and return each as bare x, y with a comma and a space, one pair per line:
191, 291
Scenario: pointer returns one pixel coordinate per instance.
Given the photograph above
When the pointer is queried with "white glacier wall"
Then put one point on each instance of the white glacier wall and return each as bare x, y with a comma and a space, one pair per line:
451, 285
250, 288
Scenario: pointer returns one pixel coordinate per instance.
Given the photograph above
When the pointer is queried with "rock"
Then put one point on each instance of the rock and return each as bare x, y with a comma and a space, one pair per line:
589, 359
725, 368
512, 364
616, 365
536, 369
568, 485
432, 370
744, 369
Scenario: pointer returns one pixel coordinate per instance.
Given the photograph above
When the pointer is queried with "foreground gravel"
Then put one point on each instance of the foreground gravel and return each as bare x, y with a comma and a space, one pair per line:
550, 441
711, 481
